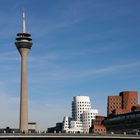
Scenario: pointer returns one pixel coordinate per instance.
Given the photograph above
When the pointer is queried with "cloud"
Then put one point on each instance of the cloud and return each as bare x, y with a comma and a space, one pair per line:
110, 69
64, 71
64, 15
69, 54
38, 32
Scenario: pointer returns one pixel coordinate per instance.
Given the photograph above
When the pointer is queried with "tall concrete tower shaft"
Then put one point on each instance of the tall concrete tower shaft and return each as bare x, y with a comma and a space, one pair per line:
23, 44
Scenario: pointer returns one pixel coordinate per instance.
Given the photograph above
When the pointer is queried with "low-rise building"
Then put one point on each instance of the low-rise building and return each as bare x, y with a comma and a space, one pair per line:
56, 129
98, 126
32, 127
66, 123
123, 123
9, 130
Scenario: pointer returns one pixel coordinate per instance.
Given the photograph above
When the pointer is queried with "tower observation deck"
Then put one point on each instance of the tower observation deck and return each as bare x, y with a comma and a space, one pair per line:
23, 39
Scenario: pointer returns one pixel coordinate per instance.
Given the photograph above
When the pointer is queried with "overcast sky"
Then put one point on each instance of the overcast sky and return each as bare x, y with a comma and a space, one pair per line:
80, 47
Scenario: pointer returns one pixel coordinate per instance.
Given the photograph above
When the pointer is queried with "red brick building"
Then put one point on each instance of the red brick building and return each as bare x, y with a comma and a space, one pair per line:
98, 127
123, 103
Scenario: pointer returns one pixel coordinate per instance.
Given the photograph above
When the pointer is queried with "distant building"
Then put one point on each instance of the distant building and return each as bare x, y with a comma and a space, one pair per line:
32, 127
123, 123
88, 117
98, 126
82, 116
123, 113
56, 129
9, 130
51, 129
122, 103
74, 127
79, 105
66, 123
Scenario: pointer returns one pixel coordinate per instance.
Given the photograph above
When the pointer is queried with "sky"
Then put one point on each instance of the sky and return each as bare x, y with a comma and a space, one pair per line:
80, 47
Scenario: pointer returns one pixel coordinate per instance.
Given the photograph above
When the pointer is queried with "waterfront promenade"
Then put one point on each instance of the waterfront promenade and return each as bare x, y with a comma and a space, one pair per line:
66, 137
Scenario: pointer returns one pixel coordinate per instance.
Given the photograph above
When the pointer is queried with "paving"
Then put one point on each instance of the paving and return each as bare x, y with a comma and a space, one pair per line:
66, 137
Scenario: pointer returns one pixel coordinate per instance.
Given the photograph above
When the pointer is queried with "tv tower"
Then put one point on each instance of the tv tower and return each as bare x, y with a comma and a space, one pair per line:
23, 44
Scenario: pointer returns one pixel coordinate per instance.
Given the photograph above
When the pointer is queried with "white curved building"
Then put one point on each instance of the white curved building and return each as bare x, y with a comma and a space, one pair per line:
82, 112
66, 123
79, 105
88, 116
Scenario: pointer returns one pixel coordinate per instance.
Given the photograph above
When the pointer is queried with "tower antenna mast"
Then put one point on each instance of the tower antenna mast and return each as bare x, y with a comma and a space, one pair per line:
23, 22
